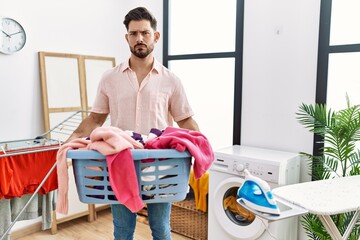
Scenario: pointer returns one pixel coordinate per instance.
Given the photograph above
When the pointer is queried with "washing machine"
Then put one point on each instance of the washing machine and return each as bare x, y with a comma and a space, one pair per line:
226, 175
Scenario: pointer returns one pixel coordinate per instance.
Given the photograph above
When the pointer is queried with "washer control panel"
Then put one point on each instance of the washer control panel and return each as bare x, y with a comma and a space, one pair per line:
265, 171
270, 165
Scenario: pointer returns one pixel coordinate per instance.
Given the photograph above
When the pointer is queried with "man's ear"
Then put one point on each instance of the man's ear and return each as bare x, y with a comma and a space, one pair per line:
127, 37
156, 36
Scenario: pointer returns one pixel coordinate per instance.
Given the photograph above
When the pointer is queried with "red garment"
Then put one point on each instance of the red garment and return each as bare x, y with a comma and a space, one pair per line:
6, 174
123, 180
181, 139
22, 174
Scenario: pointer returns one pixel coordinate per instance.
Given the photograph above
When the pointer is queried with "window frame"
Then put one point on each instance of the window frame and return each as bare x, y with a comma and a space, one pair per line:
237, 55
324, 51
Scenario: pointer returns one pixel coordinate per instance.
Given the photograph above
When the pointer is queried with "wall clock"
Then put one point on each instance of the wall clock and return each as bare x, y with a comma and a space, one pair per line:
12, 36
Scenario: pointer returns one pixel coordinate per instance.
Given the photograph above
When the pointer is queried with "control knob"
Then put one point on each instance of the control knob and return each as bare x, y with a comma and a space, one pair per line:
239, 167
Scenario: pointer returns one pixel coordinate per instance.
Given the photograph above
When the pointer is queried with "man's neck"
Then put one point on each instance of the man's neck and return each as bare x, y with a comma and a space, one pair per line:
141, 64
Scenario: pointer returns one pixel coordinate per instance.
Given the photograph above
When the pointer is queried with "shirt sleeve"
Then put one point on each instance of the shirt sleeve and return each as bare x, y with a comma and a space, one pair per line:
101, 102
180, 108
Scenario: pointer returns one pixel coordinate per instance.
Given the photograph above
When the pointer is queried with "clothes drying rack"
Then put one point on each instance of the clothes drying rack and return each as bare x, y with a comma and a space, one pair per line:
40, 144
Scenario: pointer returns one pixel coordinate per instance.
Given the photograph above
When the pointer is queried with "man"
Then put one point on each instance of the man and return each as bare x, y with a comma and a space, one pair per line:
140, 94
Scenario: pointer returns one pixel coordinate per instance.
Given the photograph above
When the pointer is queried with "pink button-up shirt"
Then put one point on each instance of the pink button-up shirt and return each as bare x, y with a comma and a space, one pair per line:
154, 104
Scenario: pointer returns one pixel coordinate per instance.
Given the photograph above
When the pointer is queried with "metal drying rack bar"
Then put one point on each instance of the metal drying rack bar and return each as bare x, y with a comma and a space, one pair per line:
40, 144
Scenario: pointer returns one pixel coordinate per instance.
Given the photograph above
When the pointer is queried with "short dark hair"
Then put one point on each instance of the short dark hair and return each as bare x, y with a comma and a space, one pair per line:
140, 13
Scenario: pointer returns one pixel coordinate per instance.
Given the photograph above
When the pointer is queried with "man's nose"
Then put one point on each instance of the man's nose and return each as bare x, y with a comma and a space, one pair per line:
139, 38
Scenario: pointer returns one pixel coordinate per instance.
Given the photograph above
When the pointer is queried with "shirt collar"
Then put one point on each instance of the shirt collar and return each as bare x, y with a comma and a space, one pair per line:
156, 66
124, 66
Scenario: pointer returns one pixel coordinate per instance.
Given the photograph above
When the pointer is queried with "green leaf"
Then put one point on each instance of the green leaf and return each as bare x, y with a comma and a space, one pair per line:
339, 157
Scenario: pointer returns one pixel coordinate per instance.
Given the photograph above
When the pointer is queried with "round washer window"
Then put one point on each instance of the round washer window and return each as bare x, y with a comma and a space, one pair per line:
234, 211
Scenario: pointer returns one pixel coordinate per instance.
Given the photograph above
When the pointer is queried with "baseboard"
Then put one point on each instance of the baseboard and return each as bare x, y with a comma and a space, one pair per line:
37, 227
33, 228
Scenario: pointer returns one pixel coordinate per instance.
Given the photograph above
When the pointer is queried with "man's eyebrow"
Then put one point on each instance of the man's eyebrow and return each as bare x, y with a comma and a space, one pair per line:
141, 32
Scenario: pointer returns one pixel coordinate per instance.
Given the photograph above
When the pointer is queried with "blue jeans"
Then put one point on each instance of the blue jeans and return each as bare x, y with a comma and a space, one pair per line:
125, 221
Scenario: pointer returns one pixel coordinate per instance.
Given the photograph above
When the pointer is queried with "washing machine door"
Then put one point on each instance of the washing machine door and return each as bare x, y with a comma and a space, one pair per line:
232, 223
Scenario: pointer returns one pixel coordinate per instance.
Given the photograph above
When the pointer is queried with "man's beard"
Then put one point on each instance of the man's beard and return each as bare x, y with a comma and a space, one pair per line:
141, 54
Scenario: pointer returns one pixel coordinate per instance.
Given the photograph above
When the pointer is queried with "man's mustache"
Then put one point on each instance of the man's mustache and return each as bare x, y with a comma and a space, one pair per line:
140, 44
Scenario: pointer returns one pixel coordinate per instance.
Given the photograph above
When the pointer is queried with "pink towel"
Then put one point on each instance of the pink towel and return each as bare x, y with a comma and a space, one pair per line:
62, 172
182, 139
109, 141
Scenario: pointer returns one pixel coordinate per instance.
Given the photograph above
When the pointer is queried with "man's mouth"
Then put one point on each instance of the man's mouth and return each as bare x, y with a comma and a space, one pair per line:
140, 46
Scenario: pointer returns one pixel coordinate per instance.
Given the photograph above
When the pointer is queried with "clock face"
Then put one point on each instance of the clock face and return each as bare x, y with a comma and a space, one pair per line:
12, 36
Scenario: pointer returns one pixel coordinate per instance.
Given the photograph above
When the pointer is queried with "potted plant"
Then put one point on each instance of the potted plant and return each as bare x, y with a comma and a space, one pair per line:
339, 156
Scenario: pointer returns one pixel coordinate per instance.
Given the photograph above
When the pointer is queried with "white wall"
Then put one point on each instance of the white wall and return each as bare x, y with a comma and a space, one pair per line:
80, 27
280, 61
279, 73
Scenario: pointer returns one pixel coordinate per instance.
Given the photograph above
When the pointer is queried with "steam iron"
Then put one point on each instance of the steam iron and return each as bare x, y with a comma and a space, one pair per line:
255, 193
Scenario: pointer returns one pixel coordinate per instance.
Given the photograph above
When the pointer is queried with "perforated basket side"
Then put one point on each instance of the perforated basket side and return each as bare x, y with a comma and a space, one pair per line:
164, 180
92, 181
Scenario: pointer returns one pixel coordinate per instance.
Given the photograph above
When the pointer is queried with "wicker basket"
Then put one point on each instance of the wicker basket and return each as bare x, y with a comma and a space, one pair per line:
188, 221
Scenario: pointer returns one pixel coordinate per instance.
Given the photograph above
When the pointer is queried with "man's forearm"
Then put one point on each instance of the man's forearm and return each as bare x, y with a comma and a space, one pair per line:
87, 126
189, 123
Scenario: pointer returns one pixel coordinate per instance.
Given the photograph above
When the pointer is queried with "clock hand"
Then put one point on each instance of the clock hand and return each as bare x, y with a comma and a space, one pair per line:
14, 33
9, 36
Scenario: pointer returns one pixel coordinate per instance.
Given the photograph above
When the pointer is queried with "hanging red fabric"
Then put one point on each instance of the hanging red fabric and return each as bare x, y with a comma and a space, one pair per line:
22, 174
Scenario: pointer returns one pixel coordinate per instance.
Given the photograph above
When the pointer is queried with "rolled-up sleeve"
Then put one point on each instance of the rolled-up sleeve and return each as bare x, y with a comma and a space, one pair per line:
180, 108
101, 102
